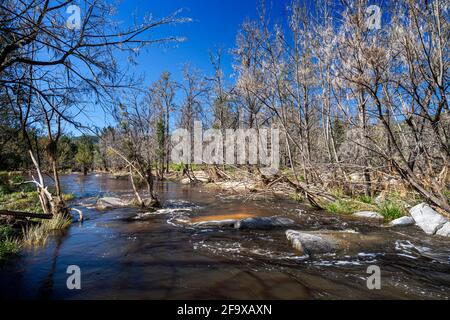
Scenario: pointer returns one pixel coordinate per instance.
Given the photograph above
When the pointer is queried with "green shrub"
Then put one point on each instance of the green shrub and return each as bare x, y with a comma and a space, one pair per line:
59, 222
296, 197
176, 167
21, 201
344, 206
4, 190
366, 199
34, 235
391, 210
8, 247
6, 232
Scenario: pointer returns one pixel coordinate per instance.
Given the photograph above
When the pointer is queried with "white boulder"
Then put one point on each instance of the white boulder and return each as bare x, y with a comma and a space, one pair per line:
368, 215
403, 221
311, 243
427, 219
110, 202
444, 231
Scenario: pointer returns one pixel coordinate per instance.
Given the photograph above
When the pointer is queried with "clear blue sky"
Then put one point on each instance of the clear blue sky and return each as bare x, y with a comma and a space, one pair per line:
215, 23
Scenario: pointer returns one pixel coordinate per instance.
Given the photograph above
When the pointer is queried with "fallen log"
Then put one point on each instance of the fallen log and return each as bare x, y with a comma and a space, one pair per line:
21, 215
315, 196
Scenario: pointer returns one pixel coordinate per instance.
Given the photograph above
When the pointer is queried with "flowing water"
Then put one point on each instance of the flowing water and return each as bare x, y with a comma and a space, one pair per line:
125, 253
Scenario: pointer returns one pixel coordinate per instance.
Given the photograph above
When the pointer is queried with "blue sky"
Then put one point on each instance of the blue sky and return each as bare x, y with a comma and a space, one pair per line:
215, 24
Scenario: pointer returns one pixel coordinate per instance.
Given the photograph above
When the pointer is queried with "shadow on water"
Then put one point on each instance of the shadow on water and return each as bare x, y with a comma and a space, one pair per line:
129, 254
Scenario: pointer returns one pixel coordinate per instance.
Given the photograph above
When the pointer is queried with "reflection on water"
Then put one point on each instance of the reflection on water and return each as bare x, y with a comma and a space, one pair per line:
131, 254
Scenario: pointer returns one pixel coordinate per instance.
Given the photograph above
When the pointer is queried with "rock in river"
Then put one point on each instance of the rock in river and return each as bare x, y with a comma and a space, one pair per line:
327, 241
368, 215
227, 223
428, 220
264, 223
306, 242
444, 231
403, 221
110, 202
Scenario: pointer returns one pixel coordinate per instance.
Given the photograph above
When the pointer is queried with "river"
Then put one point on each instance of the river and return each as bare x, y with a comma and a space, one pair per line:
154, 257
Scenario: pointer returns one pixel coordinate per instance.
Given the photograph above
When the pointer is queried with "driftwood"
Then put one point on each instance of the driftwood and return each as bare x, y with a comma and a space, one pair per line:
315, 196
21, 215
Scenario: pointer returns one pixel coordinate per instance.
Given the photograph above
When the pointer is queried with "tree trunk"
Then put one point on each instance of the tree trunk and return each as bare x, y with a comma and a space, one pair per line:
136, 192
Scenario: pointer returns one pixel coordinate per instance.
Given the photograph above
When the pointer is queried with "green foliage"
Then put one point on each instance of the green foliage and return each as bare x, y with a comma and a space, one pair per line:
85, 153
4, 190
21, 201
8, 246
337, 192
67, 150
178, 167
160, 138
365, 199
345, 206
296, 197
6, 232
338, 129
59, 222
391, 210
446, 193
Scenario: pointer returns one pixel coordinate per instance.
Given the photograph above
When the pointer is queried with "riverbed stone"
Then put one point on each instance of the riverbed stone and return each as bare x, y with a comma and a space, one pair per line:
444, 230
427, 219
110, 202
227, 223
264, 223
308, 243
403, 221
368, 215
185, 181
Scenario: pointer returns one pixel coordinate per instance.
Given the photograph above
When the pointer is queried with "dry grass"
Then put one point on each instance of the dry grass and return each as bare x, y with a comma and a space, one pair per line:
37, 234
34, 235
59, 222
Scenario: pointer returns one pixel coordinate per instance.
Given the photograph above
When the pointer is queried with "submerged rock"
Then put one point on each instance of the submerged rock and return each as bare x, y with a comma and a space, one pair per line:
428, 220
368, 215
328, 241
228, 223
110, 202
311, 243
403, 221
264, 223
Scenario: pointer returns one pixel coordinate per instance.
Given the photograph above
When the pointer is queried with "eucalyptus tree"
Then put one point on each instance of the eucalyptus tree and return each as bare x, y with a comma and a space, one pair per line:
161, 97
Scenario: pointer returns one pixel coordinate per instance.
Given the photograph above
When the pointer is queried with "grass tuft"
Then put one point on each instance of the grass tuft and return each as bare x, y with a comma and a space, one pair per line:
9, 246
391, 210
345, 206
34, 235
59, 222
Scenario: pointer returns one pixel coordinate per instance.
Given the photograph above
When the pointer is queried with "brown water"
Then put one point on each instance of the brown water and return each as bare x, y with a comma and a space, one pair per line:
125, 254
